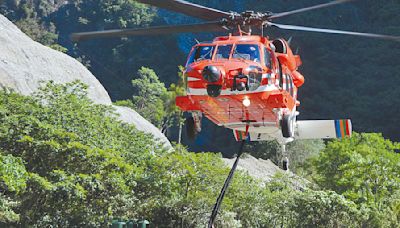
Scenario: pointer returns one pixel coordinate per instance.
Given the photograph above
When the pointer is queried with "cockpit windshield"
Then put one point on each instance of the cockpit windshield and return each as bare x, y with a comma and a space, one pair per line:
223, 51
247, 52
201, 53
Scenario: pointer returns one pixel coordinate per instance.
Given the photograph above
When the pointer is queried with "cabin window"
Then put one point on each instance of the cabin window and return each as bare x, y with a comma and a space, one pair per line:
223, 51
247, 52
200, 53
267, 58
255, 76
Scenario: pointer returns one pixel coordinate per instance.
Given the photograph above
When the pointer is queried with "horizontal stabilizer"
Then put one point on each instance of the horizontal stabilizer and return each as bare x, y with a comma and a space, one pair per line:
323, 129
305, 129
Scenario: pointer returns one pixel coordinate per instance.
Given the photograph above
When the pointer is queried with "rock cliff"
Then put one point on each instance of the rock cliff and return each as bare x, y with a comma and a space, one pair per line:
25, 64
261, 169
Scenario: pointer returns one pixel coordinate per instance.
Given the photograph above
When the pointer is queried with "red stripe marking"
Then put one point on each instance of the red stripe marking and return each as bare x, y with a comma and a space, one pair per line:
347, 128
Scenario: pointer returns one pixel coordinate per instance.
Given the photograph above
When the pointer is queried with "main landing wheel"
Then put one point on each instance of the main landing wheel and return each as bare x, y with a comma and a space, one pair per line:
287, 126
191, 131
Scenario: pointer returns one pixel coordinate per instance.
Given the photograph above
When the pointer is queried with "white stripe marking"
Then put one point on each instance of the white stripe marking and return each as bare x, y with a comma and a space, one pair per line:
263, 88
192, 79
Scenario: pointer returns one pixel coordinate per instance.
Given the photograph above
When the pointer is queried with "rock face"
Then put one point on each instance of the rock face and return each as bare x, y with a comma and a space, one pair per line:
25, 64
258, 168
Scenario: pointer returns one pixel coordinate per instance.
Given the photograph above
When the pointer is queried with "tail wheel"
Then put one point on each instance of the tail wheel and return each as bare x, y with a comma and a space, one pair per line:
191, 131
287, 126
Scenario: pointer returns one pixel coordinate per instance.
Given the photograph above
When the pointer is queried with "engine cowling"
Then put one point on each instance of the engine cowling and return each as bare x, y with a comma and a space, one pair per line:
285, 54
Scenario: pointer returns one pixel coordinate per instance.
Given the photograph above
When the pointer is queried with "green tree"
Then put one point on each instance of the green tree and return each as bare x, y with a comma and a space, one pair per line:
365, 169
287, 201
81, 161
13, 177
174, 116
324, 209
149, 96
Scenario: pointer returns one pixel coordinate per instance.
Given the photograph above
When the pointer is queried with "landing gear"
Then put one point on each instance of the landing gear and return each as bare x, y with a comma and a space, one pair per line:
287, 126
193, 125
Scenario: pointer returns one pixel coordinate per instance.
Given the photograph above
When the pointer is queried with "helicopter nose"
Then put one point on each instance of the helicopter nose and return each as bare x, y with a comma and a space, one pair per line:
211, 73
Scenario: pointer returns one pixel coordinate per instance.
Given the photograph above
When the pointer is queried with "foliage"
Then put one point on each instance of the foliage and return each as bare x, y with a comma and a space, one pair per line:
343, 164
13, 177
39, 32
81, 161
333, 210
174, 114
180, 188
282, 204
7, 213
149, 96
365, 169
31, 18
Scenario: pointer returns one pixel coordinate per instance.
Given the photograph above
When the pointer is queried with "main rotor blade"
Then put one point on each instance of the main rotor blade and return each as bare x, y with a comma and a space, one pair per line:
215, 26
333, 31
284, 14
188, 8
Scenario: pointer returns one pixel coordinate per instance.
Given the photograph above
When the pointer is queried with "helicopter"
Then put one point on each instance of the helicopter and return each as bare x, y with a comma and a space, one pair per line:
245, 82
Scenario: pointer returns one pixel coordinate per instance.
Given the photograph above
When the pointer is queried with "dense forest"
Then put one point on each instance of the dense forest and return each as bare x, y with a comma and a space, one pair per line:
66, 166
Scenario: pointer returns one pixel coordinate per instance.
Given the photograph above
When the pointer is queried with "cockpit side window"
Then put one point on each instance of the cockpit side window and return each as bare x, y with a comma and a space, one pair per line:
247, 51
201, 53
223, 51
267, 58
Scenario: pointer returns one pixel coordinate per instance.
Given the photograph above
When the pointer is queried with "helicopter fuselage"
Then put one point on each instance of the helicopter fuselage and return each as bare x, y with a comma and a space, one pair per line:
242, 80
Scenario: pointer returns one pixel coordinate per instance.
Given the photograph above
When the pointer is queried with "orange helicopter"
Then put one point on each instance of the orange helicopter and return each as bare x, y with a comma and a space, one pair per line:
244, 82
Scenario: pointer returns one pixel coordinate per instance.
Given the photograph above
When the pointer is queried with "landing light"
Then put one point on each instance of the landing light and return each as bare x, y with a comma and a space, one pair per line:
246, 102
